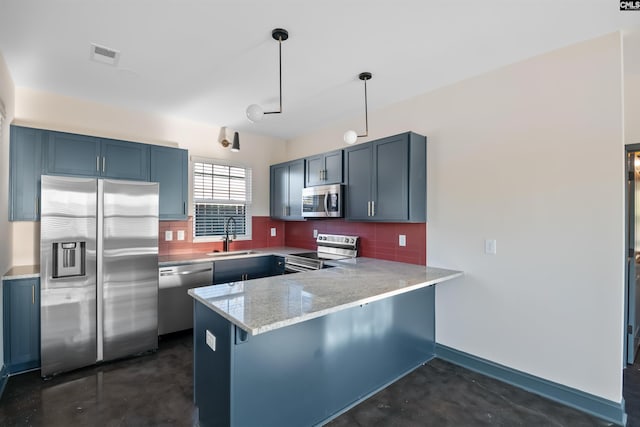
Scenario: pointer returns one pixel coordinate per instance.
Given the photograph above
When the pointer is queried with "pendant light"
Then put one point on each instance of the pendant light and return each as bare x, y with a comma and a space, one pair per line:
222, 137
235, 147
254, 111
352, 136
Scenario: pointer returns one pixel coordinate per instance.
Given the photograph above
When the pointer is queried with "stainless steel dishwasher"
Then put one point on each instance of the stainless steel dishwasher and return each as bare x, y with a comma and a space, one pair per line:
175, 306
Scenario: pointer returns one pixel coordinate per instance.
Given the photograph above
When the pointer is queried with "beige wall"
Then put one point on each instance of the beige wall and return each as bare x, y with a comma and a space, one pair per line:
632, 87
50, 111
7, 99
530, 155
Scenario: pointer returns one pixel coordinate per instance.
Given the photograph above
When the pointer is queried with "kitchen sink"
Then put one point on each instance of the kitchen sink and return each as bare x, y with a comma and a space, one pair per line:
232, 253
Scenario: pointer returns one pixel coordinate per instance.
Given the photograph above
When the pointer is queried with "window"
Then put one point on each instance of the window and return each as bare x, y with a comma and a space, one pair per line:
221, 192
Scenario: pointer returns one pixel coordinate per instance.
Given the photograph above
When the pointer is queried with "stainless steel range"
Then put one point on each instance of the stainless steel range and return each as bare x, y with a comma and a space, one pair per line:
330, 247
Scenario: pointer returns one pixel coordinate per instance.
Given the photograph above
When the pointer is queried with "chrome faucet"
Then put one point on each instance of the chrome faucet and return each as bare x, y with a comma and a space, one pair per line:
226, 241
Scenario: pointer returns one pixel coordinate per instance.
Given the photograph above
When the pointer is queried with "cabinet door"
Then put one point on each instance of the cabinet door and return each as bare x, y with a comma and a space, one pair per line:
314, 171
124, 160
258, 267
21, 324
169, 167
333, 167
26, 167
71, 154
296, 184
391, 179
358, 173
279, 191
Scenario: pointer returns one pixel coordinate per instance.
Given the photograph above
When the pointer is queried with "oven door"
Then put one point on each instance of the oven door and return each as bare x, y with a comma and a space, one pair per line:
322, 202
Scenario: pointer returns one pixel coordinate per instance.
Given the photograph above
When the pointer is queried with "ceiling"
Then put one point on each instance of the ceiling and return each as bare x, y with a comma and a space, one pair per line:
208, 60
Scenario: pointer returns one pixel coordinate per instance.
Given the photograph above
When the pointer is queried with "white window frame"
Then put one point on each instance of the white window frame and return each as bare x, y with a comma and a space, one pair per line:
248, 203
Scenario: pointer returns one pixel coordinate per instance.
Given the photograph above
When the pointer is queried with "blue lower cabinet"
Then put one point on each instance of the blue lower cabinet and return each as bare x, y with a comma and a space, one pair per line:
307, 373
234, 270
21, 315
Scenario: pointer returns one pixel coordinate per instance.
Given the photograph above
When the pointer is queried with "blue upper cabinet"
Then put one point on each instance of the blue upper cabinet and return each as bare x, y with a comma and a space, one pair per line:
169, 167
286, 184
27, 149
386, 179
81, 155
71, 154
324, 169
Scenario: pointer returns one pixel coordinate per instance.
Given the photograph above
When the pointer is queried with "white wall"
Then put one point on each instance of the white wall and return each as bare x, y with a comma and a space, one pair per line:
631, 43
7, 98
56, 112
530, 155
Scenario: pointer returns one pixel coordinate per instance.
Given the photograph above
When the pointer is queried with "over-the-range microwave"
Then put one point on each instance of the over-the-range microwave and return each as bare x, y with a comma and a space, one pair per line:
323, 201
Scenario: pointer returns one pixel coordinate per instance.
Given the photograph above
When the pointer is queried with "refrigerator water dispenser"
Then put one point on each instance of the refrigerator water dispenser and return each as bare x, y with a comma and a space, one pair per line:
68, 259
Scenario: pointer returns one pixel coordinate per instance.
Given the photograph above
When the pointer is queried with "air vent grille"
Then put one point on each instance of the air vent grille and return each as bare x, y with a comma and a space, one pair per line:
104, 55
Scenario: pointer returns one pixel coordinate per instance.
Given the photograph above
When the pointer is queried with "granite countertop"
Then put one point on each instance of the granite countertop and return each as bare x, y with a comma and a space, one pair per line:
262, 305
22, 272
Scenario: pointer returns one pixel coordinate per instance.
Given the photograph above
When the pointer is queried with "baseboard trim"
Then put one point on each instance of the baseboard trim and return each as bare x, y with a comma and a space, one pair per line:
602, 408
4, 377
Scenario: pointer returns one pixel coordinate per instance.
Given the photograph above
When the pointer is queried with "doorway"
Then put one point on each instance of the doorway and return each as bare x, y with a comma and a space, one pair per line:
632, 251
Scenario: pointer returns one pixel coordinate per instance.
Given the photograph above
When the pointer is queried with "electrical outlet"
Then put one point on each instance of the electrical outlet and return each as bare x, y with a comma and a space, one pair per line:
273, 232
168, 235
490, 246
402, 240
315, 234
211, 340
180, 234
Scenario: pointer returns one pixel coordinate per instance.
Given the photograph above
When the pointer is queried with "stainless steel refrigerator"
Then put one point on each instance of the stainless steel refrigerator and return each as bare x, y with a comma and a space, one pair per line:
98, 271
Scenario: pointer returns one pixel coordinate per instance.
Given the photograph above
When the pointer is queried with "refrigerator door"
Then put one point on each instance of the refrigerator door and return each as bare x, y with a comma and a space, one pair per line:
127, 268
68, 301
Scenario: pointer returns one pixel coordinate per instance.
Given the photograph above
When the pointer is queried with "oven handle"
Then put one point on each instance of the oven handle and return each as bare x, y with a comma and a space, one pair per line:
296, 269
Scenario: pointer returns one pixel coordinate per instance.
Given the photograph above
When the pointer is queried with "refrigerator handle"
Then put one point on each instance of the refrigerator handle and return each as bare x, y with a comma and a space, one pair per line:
99, 274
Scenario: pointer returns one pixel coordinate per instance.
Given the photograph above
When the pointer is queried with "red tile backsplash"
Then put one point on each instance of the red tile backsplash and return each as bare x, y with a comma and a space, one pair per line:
260, 230
377, 240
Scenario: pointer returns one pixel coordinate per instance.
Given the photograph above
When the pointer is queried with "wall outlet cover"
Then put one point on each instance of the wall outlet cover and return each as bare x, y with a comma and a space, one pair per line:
168, 235
490, 246
402, 240
180, 234
315, 234
211, 340
273, 232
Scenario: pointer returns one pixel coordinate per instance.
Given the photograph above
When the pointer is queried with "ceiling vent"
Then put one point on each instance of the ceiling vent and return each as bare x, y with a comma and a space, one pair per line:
104, 55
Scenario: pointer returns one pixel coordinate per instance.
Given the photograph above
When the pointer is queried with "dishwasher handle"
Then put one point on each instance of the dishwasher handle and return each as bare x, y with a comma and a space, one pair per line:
171, 272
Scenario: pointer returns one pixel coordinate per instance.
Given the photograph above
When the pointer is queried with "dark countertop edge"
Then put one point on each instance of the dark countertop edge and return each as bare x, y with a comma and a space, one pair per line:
324, 312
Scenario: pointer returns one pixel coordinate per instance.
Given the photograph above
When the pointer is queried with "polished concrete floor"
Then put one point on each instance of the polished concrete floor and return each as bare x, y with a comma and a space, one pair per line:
156, 390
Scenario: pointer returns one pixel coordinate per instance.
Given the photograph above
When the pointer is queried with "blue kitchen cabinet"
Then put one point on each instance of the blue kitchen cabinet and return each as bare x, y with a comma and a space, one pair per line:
169, 167
286, 184
82, 155
324, 169
234, 270
386, 179
25, 168
21, 315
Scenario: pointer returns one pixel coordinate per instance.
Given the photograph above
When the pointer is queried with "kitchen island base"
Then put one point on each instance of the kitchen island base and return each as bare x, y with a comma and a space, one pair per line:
310, 372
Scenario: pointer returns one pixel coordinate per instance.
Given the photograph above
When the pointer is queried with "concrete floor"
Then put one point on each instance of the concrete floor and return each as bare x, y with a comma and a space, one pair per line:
156, 390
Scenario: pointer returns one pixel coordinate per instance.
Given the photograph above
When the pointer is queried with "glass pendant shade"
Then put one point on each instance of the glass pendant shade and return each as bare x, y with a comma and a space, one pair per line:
350, 136
255, 113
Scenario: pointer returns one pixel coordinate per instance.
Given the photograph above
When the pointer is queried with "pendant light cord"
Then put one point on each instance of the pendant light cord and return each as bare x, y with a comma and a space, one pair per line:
366, 111
280, 65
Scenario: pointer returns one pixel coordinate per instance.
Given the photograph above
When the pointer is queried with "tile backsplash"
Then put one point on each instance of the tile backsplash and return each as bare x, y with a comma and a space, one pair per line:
377, 240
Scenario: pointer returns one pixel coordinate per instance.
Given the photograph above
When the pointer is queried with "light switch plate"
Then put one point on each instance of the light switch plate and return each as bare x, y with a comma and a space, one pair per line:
273, 232
168, 235
402, 240
180, 234
315, 234
490, 246
211, 340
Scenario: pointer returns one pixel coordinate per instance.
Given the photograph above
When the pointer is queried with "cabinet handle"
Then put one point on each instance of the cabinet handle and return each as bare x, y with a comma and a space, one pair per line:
320, 174
373, 208
98, 163
368, 208
37, 206
103, 163
184, 208
33, 294
284, 211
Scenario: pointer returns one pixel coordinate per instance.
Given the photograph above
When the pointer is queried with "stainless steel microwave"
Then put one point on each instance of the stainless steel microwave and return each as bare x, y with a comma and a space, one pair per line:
323, 201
